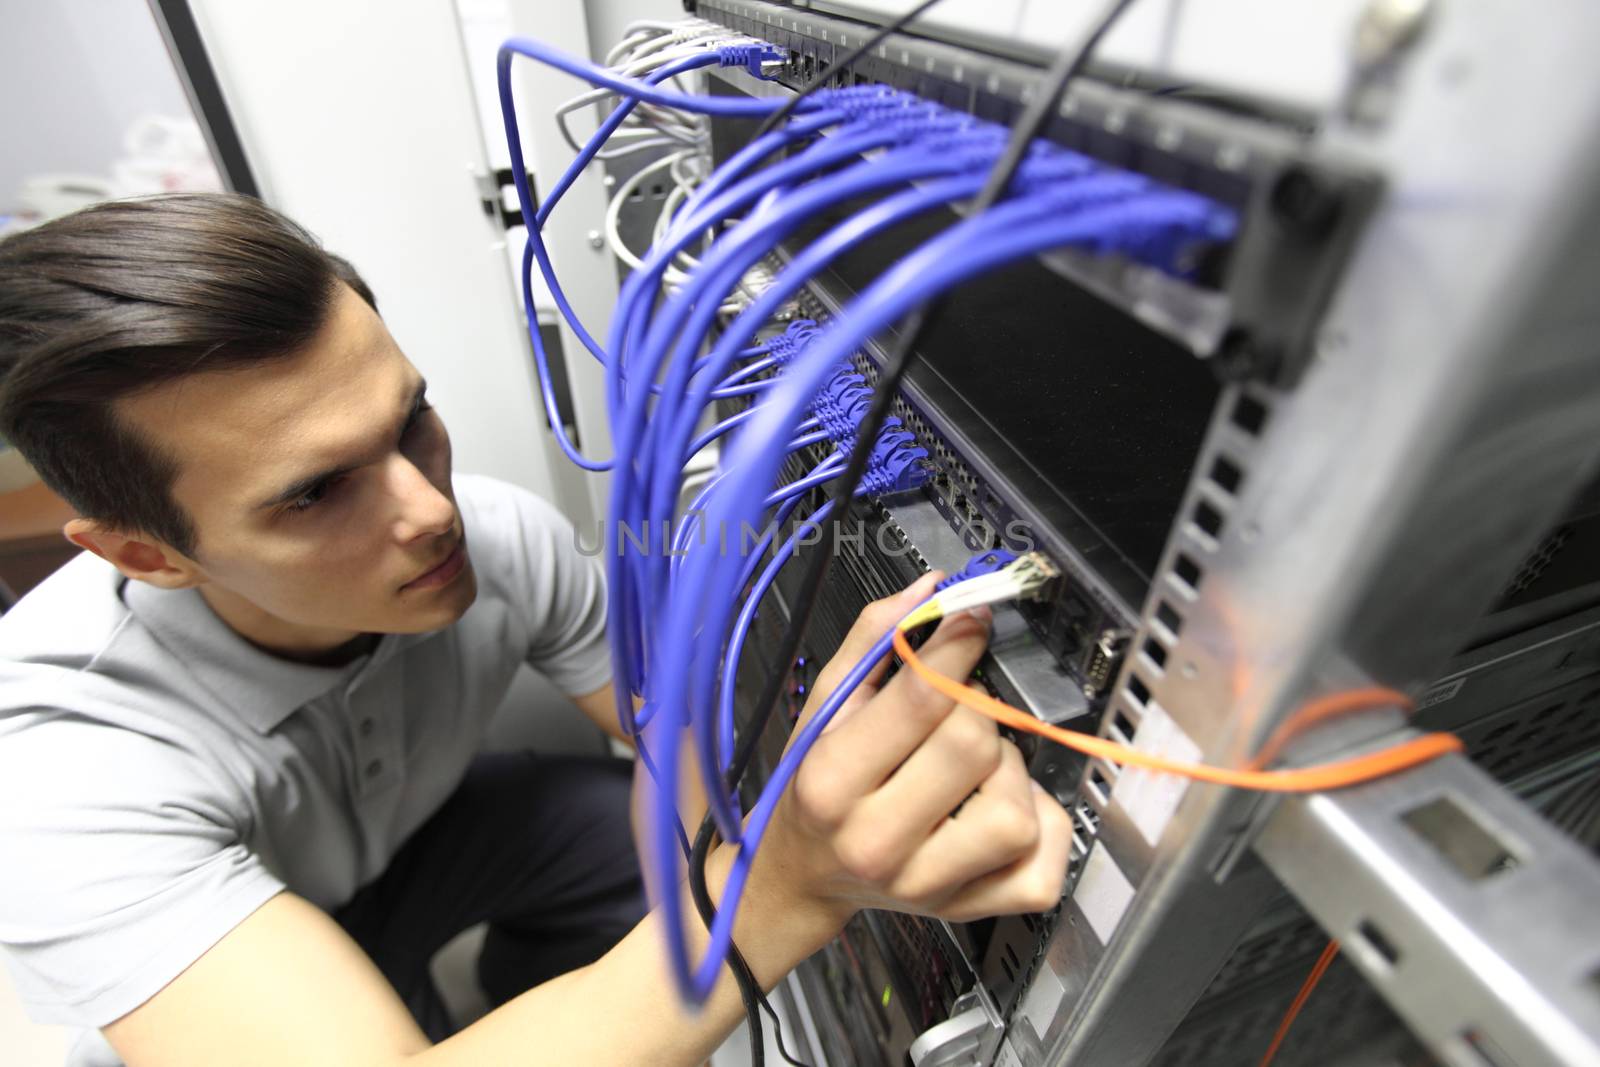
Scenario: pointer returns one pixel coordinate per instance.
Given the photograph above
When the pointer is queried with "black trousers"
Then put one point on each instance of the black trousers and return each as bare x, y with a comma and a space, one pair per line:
539, 848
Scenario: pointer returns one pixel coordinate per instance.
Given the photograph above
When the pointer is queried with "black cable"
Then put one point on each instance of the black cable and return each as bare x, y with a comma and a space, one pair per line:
1028, 126
770, 123
749, 988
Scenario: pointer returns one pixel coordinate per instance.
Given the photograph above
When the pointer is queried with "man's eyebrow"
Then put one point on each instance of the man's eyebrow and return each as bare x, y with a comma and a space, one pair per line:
301, 486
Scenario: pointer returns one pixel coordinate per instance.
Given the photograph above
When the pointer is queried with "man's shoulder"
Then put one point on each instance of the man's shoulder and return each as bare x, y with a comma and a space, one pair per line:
507, 525
490, 498
87, 698
70, 617
73, 651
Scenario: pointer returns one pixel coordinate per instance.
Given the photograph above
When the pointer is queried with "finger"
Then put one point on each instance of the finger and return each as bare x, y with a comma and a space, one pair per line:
886, 730
875, 620
954, 761
994, 828
1033, 883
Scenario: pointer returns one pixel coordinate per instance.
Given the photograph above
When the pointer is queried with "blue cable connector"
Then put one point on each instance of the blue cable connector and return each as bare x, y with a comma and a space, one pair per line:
986, 562
751, 57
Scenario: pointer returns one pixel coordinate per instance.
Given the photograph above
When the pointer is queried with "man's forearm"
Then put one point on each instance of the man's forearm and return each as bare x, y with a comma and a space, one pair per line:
625, 1009
691, 797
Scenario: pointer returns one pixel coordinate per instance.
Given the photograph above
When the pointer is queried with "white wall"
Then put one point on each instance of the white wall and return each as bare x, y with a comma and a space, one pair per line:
1295, 52
608, 18
359, 121
74, 74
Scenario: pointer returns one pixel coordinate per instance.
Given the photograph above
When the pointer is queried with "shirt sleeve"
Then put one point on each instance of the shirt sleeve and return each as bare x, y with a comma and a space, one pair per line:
557, 582
122, 866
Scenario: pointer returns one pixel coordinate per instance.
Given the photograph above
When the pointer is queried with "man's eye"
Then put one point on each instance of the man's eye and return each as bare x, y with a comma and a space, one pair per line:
423, 407
313, 496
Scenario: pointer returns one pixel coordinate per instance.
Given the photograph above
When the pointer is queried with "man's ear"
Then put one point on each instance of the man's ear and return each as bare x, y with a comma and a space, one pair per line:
135, 555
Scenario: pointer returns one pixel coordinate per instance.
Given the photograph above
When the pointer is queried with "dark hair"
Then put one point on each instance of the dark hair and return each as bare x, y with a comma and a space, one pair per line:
130, 294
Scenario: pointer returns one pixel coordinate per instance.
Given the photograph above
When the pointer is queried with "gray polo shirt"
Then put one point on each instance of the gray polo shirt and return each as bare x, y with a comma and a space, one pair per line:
160, 778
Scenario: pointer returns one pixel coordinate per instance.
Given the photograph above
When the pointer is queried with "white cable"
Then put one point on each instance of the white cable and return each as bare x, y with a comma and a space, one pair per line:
681, 126
614, 210
634, 148
626, 46
1026, 576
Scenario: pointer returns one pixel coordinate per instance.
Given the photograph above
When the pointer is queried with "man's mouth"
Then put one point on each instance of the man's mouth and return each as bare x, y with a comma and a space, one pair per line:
443, 573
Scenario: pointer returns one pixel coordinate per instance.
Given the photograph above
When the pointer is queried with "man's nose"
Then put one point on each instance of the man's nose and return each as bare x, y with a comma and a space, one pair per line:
423, 510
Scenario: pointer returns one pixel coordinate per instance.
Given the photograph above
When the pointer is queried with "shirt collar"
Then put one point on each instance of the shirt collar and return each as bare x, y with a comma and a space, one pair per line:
261, 688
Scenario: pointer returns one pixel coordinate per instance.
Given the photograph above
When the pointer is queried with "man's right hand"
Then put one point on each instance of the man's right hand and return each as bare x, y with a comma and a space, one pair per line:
910, 802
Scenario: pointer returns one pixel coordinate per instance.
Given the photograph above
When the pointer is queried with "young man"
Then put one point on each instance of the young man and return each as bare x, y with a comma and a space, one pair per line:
239, 800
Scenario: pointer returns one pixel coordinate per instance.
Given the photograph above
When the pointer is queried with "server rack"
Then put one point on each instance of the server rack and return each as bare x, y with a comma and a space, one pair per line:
1397, 423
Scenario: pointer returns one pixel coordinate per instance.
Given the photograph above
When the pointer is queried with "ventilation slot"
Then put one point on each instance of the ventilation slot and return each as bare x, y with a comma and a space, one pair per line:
1460, 838
1226, 475
1488, 1051
1122, 725
1099, 786
1188, 572
1138, 692
1249, 414
1537, 563
1378, 942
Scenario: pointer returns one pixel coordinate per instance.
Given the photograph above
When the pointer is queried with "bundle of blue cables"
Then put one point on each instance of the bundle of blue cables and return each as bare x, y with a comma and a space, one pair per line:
685, 586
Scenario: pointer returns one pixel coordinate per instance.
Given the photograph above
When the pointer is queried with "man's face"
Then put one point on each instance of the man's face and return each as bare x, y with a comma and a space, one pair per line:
319, 484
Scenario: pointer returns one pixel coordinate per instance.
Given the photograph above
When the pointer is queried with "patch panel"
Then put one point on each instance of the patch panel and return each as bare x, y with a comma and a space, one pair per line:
1072, 625
1261, 491
1253, 307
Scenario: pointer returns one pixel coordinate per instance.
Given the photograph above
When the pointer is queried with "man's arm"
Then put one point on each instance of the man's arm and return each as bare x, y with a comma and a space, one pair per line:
866, 823
601, 708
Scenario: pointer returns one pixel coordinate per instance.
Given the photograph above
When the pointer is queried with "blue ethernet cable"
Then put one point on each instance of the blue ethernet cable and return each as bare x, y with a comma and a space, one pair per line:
899, 467
824, 473
884, 175
881, 173
964, 243
698, 983
747, 615
760, 366
732, 421
1079, 195
987, 562
685, 531
886, 213
871, 221
727, 55
851, 140
534, 249
862, 226
639, 291
626, 425
668, 450
1152, 226
633, 91
601, 78
784, 500
693, 407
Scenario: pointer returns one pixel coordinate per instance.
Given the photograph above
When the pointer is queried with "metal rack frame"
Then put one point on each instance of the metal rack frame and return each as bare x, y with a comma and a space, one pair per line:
1349, 528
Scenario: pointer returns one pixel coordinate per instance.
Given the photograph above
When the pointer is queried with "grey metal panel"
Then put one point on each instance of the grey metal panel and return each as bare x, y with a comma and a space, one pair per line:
1505, 962
1447, 415
1372, 511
